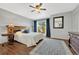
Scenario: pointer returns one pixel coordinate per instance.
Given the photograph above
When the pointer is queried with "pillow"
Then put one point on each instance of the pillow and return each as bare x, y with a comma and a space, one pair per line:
26, 31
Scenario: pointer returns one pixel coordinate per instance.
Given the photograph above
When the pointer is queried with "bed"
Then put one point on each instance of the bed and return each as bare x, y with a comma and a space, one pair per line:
29, 39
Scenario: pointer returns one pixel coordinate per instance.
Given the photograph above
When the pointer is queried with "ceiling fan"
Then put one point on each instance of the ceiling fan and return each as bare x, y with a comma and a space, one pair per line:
37, 7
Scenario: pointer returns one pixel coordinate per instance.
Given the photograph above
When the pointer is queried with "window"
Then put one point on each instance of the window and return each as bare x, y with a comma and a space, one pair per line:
41, 26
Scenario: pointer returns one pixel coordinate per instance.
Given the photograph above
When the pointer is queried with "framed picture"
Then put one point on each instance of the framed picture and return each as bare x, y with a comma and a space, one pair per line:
58, 22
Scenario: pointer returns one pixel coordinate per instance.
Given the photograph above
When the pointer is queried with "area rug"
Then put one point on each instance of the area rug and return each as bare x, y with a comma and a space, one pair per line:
51, 47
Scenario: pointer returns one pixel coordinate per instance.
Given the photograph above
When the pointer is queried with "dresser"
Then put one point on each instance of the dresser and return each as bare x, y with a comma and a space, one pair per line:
74, 41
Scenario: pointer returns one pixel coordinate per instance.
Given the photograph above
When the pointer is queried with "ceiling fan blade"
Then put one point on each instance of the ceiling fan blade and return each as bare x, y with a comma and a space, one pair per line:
31, 6
32, 10
42, 9
36, 11
40, 4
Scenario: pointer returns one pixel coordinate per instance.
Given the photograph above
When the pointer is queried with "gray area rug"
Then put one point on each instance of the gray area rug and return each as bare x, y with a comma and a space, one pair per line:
51, 47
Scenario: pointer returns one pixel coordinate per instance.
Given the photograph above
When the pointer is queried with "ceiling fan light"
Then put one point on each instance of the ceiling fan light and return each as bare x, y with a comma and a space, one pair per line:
37, 10
36, 4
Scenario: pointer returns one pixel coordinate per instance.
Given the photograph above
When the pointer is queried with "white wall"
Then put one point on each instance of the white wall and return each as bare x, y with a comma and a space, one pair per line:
67, 25
6, 17
76, 19
71, 21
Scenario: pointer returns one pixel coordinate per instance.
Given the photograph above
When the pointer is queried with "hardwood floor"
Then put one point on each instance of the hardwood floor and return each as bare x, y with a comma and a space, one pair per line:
15, 49
21, 49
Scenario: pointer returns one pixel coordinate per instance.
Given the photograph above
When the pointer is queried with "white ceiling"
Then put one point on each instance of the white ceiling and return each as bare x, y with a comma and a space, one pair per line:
24, 9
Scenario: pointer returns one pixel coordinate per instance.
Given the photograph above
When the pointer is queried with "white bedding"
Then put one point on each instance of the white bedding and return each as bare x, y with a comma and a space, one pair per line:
29, 39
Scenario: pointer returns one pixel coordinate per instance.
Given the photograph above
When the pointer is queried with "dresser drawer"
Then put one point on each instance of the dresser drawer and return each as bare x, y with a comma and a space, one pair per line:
75, 47
75, 43
75, 40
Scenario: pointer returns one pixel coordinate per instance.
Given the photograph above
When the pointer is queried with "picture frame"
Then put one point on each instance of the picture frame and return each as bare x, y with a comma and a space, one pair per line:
58, 22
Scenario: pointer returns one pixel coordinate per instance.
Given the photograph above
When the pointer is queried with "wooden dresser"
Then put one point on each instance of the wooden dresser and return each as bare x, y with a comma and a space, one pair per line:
74, 41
